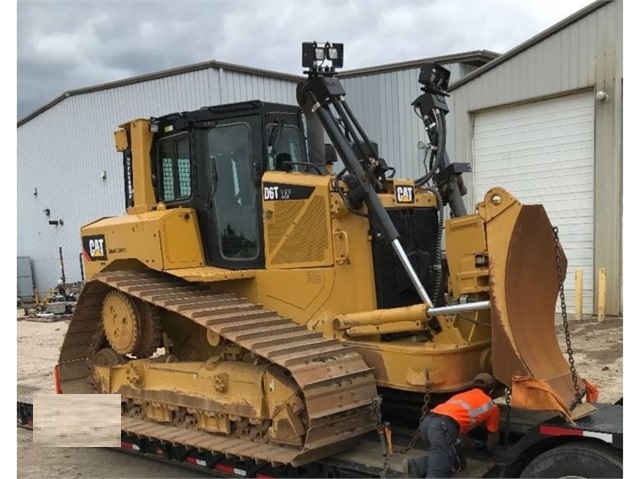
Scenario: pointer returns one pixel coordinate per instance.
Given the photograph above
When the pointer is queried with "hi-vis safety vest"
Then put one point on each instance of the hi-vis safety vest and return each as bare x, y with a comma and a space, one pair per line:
471, 409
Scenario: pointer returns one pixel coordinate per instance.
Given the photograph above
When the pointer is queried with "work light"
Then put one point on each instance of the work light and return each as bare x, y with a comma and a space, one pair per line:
434, 77
313, 54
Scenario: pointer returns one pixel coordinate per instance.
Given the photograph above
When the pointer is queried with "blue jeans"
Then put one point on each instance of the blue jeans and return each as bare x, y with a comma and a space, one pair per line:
439, 434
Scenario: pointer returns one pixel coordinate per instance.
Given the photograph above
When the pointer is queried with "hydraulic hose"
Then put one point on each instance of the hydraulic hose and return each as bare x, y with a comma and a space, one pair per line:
441, 148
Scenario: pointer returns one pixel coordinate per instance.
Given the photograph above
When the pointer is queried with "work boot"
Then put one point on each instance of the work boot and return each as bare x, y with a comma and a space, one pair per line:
415, 467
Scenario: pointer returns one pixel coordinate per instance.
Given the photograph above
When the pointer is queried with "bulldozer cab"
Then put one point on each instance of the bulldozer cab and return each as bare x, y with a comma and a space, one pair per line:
213, 159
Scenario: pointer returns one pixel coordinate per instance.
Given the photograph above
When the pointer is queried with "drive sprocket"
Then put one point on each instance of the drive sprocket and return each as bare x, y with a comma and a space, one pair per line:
122, 322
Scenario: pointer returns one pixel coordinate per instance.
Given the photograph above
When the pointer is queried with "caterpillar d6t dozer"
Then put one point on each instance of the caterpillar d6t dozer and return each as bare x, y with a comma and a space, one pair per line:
255, 303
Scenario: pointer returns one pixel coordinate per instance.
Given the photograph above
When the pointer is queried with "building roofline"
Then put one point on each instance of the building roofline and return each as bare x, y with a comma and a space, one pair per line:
578, 15
479, 57
159, 75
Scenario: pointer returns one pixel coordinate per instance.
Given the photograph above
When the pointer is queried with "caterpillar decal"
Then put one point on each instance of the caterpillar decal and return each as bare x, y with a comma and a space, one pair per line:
94, 248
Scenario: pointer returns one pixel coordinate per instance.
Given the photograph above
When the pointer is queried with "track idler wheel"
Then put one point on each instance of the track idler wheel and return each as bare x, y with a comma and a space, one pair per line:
104, 357
108, 357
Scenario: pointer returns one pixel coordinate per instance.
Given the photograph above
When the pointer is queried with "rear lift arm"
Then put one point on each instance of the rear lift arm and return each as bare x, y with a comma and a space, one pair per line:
323, 90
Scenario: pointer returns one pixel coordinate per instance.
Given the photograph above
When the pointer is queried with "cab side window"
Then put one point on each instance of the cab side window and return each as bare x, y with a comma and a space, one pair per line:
285, 147
175, 169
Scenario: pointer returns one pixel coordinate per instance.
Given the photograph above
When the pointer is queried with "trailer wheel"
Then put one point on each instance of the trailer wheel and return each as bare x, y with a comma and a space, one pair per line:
577, 459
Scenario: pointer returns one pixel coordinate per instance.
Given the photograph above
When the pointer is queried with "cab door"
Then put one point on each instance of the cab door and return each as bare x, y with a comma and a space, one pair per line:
232, 232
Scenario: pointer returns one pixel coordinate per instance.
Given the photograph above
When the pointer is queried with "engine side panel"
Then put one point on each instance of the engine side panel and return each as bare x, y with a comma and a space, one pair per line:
162, 239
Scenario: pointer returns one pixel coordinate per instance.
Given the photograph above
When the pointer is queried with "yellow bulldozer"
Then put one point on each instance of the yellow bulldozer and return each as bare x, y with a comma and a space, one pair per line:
264, 288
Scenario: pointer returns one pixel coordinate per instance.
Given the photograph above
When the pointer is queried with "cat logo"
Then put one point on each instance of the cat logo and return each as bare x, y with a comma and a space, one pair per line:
94, 247
404, 194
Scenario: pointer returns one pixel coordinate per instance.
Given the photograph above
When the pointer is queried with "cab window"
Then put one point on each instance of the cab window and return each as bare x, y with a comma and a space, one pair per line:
284, 146
175, 169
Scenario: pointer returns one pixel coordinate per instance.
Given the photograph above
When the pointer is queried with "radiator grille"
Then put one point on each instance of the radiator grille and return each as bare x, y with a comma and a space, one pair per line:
417, 228
308, 240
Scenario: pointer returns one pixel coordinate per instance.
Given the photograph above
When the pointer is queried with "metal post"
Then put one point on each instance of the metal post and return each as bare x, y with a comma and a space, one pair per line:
63, 277
601, 308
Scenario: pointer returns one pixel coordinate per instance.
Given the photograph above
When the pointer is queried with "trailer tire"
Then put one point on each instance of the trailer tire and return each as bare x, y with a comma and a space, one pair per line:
576, 459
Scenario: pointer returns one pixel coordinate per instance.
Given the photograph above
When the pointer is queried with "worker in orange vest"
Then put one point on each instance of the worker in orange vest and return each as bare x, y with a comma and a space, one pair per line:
446, 428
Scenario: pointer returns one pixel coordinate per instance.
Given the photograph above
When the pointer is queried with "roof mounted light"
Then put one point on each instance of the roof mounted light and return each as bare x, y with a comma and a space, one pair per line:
434, 77
314, 55
334, 53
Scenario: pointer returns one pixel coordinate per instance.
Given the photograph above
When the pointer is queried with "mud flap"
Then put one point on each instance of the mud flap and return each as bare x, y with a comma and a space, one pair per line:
524, 286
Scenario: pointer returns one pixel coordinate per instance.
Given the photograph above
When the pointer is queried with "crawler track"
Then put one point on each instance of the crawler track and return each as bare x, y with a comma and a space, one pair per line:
217, 464
338, 387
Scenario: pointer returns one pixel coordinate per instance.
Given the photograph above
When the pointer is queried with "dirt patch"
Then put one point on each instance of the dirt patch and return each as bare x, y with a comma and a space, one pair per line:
598, 353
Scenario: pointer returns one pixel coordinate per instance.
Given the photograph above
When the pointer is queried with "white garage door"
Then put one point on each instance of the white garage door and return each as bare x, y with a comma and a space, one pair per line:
543, 152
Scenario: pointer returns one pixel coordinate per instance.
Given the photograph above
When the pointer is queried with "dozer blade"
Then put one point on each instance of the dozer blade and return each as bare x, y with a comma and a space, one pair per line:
526, 267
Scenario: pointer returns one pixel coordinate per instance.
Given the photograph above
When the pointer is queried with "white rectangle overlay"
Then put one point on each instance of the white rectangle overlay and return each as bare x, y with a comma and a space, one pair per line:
77, 420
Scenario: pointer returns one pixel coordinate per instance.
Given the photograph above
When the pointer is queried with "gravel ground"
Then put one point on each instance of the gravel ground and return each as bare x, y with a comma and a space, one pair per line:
597, 349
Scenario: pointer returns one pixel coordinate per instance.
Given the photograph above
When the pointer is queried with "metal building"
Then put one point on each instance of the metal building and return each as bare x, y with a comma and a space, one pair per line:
68, 170
544, 121
381, 99
70, 174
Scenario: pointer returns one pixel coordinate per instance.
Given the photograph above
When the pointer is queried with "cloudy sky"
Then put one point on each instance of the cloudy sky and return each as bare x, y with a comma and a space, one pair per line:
63, 45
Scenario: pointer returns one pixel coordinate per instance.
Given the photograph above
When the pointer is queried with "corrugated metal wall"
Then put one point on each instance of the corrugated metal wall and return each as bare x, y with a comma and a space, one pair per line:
63, 151
584, 55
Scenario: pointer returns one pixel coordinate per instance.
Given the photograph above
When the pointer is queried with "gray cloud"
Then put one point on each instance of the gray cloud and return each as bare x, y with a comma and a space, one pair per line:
65, 45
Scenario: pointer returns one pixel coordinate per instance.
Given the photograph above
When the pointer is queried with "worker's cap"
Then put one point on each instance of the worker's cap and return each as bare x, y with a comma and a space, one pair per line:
485, 380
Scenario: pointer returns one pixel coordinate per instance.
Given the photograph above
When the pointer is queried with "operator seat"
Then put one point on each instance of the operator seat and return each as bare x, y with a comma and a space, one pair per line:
280, 159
